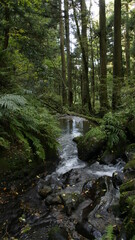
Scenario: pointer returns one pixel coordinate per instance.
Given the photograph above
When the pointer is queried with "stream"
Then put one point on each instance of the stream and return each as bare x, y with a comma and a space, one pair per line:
77, 198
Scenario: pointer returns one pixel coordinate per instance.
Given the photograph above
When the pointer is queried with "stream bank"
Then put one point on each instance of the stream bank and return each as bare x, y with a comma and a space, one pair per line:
76, 201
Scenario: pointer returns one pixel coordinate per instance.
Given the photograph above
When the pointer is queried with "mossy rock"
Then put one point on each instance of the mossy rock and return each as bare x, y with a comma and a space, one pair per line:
91, 145
130, 165
127, 200
130, 151
128, 186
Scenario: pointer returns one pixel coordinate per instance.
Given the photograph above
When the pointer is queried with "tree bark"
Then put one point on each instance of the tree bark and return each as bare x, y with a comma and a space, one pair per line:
103, 58
64, 94
69, 70
127, 42
92, 62
85, 80
6, 29
84, 49
117, 56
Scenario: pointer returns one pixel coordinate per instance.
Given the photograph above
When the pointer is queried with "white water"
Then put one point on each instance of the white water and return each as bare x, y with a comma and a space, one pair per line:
73, 127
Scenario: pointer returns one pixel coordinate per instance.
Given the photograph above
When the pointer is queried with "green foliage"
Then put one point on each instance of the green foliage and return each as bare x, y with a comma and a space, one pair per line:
109, 235
113, 127
26, 122
12, 102
96, 133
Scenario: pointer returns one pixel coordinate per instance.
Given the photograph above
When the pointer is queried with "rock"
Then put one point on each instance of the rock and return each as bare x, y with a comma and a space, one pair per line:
130, 151
117, 179
70, 201
95, 189
91, 145
43, 189
86, 230
54, 181
127, 198
108, 157
53, 199
57, 233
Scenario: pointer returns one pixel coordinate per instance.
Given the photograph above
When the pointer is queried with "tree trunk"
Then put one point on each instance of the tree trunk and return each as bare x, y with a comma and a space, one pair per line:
127, 42
92, 62
84, 48
64, 94
117, 56
6, 30
103, 59
70, 91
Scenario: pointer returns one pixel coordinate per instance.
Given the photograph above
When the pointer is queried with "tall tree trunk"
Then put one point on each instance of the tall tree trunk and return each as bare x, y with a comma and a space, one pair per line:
70, 91
84, 49
92, 62
117, 56
103, 59
6, 29
127, 42
85, 80
64, 94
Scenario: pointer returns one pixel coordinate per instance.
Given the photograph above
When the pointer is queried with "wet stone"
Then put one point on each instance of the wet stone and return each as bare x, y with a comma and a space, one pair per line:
43, 189
53, 199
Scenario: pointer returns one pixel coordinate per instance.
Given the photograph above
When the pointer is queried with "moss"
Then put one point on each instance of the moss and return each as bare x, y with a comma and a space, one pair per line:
130, 165
91, 145
128, 186
131, 148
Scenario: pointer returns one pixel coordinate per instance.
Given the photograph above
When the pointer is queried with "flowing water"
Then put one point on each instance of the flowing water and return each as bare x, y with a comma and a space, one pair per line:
29, 209
73, 127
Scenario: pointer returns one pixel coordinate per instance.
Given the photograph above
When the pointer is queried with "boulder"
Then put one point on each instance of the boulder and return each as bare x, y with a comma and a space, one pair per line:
91, 145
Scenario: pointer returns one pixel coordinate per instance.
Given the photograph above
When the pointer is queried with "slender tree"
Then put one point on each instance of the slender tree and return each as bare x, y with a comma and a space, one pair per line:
117, 55
84, 49
103, 60
92, 60
85, 80
70, 91
127, 40
64, 94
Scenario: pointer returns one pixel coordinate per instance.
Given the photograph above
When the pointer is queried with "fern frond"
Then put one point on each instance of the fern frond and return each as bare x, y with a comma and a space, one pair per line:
109, 235
4, 143
12, 101
37, 144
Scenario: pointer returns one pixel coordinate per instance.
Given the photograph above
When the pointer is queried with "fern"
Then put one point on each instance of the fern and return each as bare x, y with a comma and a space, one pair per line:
4, 143
109, 235
12, 102
37, 144
27, 122
112, 125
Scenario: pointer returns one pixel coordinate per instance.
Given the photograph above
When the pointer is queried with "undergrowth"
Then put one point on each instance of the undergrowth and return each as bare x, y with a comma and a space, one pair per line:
23, 120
